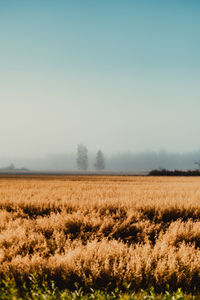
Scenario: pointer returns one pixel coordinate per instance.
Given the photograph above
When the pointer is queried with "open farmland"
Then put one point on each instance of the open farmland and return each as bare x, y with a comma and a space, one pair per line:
102, 231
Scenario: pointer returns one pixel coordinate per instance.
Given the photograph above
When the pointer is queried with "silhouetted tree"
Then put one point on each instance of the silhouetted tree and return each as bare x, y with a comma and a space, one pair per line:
82, 157
99, 161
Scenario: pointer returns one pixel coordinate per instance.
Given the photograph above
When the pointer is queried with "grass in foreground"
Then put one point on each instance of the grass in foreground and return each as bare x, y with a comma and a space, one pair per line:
36, 290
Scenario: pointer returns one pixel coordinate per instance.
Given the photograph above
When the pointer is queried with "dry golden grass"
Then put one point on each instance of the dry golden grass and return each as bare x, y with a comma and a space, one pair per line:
102, 231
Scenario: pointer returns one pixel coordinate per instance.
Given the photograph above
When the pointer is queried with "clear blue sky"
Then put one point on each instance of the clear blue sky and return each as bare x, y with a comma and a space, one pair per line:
116, 75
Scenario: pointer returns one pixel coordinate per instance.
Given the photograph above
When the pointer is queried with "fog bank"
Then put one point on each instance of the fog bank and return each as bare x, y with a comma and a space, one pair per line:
125, 162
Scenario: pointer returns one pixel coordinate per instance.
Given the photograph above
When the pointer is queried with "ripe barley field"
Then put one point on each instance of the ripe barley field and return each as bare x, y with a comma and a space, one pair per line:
102, 231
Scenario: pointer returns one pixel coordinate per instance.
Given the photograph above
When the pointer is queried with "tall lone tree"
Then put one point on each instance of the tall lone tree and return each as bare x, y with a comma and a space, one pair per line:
82, 157
99, 161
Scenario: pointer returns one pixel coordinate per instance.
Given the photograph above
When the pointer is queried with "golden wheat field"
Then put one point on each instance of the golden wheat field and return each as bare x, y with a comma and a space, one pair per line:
102, 230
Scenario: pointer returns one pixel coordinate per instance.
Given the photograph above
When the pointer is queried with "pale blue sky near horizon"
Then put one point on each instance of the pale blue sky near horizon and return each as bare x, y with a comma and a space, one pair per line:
116, 75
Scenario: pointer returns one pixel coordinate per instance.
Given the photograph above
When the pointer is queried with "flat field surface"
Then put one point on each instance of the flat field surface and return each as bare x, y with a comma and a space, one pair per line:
102, 231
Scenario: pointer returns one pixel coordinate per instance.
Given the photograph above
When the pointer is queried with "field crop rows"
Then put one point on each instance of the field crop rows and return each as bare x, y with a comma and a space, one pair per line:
102, 231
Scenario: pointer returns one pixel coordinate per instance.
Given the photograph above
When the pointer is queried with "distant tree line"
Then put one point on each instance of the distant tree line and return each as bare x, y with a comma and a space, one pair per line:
82, 159
165, 172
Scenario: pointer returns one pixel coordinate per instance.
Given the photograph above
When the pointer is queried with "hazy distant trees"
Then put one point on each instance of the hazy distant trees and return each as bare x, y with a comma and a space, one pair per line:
99, 161
82, 157
11, 167
197, 163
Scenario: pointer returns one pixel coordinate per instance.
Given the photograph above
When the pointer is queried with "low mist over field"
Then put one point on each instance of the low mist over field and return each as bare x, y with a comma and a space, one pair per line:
125, 162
